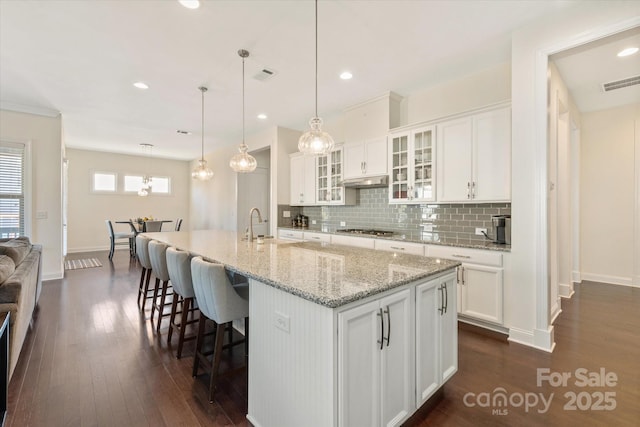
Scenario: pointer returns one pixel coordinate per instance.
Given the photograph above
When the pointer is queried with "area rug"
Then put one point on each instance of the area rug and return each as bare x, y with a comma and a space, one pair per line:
76, 264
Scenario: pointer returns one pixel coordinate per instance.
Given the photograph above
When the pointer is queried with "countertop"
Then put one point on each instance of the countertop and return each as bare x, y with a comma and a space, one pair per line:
413, 236
329, 275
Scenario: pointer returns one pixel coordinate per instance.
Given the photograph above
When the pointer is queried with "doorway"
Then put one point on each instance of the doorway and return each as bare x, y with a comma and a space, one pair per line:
254, 190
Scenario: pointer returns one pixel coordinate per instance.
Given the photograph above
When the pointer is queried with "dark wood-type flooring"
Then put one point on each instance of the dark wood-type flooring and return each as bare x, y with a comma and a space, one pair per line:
92, 359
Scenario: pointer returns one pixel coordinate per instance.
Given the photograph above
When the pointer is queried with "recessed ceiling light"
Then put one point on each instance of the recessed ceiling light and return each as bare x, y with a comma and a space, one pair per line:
141, 85
346, 75
190, 4
183, 132
262, 116
628, 51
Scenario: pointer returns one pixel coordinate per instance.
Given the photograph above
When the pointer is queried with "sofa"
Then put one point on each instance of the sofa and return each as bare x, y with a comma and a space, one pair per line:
20, 286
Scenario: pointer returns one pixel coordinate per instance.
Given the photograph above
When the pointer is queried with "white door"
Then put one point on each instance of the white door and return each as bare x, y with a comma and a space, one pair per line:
309, 178
359, 336
354, 157
396, 369
427, 336
481, 292
296, 180
375, 162
492, 156
454, 160
254, 191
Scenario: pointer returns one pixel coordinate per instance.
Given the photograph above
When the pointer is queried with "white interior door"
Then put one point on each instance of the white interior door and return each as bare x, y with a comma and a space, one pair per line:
254, 190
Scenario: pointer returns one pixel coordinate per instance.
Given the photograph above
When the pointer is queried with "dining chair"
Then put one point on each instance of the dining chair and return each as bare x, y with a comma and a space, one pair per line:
116, 239
221, 302
150, 226
178, 224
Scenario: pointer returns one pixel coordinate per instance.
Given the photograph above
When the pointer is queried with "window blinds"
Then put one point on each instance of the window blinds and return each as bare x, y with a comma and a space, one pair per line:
12, 165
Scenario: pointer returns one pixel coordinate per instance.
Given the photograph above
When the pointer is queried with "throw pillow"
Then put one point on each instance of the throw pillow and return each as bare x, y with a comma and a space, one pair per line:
7, 267
16, 249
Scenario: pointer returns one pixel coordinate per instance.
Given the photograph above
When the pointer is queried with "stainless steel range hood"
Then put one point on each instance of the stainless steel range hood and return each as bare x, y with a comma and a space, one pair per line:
368, 182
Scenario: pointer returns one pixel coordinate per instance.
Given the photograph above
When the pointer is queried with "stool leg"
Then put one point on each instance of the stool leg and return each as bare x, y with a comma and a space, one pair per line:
199, 341
183, 325
146, 288
217, 355
155, 296
163, 296
172, 318
246, 338
141, 287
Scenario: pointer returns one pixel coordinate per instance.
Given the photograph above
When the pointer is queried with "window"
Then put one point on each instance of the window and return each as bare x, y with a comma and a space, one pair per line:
159, 184
12, 189
104, 181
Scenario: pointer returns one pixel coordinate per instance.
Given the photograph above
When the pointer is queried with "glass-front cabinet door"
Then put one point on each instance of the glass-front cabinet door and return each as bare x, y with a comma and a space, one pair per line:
329, 173
399, 168
412, 156
423, 188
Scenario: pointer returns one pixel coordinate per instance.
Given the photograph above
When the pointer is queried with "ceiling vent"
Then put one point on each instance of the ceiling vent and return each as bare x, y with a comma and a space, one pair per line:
619, 84
264, 74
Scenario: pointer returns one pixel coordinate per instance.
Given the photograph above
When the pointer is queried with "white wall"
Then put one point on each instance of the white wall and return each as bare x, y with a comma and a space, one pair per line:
87, 211
45, 135
607, 194
527, 304
473, 91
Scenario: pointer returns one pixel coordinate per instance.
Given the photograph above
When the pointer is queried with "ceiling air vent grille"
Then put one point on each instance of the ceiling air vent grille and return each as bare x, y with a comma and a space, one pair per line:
619, 84
264, 74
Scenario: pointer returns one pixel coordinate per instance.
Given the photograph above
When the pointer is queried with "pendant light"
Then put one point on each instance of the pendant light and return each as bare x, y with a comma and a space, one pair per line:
243, 162
202, 172
147, 180
315, 141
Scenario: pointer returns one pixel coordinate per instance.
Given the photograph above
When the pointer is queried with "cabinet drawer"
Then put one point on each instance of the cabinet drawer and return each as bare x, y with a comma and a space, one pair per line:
290, 234
396, 246
317, 237
360, 242
467, 256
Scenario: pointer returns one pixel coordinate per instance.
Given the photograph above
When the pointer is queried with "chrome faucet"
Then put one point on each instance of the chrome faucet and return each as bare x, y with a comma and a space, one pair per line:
250, 235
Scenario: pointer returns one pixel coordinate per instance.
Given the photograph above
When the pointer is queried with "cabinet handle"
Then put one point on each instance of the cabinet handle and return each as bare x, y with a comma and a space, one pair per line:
441, 309
397, 248
461, 256
315, 237
381, 340
473, 190
458, 275
462, 274
364, 167
388, 325
468, 190
446, 297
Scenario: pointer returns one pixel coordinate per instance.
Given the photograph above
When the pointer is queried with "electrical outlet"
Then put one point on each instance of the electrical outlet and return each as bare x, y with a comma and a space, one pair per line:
343, 223
313, 222
286, 214
480, 231
282, 321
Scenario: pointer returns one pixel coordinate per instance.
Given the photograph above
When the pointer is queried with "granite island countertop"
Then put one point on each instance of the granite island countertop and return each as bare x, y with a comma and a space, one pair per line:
414, 236
329, 275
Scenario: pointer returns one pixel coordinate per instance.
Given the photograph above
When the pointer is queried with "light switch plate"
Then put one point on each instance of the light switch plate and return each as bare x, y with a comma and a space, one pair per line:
282, 321
286, 214
42, 215
343, 223
313, 222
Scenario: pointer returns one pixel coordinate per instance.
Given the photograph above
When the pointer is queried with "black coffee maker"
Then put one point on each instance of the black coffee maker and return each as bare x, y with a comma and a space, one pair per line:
501, 234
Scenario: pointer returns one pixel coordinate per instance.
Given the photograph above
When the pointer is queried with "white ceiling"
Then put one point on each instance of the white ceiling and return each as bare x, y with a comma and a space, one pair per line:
585, 69
81, 57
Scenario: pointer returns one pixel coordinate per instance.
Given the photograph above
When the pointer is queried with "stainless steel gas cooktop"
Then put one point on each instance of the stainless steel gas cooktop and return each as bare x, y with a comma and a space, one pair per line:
370, 232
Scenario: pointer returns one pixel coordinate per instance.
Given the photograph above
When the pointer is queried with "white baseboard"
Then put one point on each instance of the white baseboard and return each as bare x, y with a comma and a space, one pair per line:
576, 277
541, 340
565, 290
93, 249
52, 276
555, 315
604, 278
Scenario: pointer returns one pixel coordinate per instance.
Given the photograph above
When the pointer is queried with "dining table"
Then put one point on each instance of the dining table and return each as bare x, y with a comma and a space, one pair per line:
141, 227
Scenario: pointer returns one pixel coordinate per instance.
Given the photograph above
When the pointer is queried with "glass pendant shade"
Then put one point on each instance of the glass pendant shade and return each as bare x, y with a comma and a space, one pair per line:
202, 172
315, 141
243, 162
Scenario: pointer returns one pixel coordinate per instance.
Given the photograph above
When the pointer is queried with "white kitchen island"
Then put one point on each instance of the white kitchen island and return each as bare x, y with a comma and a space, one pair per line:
339, 336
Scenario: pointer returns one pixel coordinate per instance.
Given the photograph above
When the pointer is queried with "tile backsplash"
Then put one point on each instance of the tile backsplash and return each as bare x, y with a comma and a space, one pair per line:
451, 221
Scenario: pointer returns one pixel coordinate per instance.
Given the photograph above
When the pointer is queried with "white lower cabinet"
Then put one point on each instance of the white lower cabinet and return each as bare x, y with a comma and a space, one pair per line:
375, 362
481, 292
436, 336
286, 234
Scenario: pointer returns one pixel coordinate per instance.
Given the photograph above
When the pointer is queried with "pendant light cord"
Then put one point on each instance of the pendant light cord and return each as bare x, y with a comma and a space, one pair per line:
243, 100
202, 89
316, 58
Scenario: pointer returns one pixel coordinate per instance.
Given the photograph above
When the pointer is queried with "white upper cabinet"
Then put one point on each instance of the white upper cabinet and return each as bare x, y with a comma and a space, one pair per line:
474, 158
411, 165
329, 176
365, 158
302, 180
